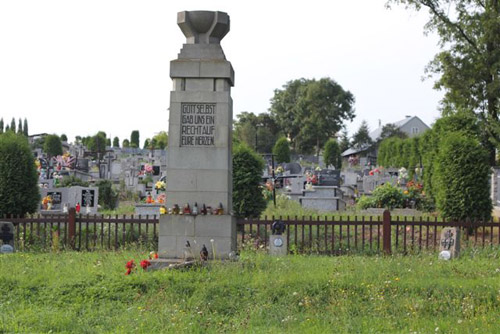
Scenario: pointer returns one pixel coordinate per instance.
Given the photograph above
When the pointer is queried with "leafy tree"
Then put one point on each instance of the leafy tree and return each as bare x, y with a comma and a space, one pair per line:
462, 179
126, 143
282, 150
97, 144
7, 128
116, 142
391, 130
362, 137
19, 191
108, 142
331, 154
1, 125
248, 200
25, 127
134, 139
146, 144
78, 140
64, 138
13, 125
52, 146
257, 131
468, 65
161, 140
311, 111
107, 195
20, 127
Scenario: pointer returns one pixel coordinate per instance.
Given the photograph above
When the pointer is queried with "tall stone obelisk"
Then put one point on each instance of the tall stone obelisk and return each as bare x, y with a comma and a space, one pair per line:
199, 166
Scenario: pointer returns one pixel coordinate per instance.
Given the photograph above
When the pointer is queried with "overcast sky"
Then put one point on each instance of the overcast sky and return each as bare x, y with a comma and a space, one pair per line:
77, 67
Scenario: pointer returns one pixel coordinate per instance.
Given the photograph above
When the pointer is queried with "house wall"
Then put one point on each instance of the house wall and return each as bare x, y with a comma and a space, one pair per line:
414, 127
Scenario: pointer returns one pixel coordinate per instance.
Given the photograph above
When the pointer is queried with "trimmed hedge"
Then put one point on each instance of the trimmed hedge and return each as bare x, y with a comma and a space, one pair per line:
282, 150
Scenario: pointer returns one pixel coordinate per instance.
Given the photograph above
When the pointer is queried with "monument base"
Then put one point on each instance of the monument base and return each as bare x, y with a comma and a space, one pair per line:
213, 231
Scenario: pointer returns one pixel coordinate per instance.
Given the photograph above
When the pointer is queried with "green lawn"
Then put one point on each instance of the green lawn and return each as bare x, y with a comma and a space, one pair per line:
88, 293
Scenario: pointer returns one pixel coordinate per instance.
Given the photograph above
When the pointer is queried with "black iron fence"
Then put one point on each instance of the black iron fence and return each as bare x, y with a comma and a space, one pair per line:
303, 234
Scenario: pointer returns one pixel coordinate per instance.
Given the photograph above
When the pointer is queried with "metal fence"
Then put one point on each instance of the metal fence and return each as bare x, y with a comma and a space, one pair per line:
304, 235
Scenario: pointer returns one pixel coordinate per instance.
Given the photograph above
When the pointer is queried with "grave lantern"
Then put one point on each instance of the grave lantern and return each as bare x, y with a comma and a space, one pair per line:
7, 237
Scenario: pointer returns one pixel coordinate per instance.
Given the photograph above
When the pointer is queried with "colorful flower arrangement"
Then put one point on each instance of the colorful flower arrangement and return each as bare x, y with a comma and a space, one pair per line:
279, 170
47, 202
148, 168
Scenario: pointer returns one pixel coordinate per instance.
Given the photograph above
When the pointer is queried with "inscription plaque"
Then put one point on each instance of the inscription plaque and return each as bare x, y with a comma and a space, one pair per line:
198, 124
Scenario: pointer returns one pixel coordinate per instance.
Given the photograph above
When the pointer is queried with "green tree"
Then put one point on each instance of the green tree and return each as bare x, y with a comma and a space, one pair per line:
134, 139
64, 138
52, 146
13, 125
331, 154
311, 111
468, 65
147, 144
107, 194
97, 144
161, 140
116, 142
282, 150
248, 200
1, 125
391, 130
462, 179
20, 127
19, 193
362, 137
259, 132
344, 141
7, 128
126, 143
25, 127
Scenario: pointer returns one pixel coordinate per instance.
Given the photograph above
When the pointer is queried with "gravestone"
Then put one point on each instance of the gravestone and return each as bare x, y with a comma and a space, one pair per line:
6, 237
199, 164
449, 243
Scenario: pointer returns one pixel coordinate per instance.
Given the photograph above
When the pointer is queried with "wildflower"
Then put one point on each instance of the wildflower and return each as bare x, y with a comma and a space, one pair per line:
145, 264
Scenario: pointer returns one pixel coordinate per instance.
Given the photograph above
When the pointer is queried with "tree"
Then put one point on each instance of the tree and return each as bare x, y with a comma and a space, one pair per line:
259, 132
97, 144
52, 146
108, 142
161, 140
248, 200
311, 111
282, 150
116, 142
331, 154
362, 137
344, 141
107, 195
13, 125
1, 125
462, 179
64, 138
25, 127
468, 65
125, 143
146, 144
391, 130
20, 127
134, 139
19, 193
7, 128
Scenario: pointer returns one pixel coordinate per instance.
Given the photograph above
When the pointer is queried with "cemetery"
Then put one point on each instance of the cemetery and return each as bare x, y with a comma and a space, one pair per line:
206, 229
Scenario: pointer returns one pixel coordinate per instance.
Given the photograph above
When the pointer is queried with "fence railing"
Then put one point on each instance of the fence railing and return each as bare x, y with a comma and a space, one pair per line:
84, 232
304, 235
366, 235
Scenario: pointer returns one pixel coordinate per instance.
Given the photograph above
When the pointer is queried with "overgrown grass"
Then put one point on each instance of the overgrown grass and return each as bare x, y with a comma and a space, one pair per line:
74, 292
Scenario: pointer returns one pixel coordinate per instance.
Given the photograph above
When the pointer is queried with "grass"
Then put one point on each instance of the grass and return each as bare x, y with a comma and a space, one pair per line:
72, 292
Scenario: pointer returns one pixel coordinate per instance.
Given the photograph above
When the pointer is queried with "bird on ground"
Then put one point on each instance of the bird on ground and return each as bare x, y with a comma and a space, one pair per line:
204, 253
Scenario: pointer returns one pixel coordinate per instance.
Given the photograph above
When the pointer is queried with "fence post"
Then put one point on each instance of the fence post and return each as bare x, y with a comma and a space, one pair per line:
71, 227
386, 230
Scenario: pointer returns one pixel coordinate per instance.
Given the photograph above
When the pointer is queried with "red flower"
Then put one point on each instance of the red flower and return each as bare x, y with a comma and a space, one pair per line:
128, 271
145, 264
130, 265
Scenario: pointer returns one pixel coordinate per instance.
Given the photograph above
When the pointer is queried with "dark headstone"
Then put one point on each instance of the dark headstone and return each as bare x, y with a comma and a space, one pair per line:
328, 177
293, 168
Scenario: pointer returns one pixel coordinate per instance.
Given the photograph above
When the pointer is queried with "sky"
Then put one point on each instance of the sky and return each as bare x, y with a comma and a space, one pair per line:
78, 67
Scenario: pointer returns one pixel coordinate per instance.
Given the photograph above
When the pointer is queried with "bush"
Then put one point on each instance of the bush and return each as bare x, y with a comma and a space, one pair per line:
71, 180
19, 191
282, 150
331, 154
462, 178
107, 195
248, 200
385, 196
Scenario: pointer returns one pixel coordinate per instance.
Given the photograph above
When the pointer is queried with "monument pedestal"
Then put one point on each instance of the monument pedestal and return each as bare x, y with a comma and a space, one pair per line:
199, 230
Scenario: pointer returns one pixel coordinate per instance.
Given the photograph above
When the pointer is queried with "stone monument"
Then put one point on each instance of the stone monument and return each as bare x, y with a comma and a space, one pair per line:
449, 243
199, 166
